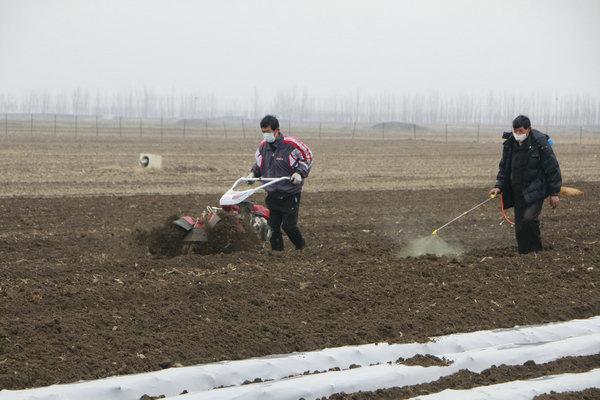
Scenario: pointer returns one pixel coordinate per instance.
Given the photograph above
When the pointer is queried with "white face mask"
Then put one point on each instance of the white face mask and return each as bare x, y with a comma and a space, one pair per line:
520, 138
269, 137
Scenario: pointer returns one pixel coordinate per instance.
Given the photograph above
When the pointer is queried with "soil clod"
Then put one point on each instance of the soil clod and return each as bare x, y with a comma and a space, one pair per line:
230, 234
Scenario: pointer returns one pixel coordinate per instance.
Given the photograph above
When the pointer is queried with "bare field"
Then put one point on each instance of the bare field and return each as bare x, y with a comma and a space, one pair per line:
80, 298
48, 166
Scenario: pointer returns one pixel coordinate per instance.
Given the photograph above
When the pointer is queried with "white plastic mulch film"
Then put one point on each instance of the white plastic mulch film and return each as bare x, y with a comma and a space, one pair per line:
521, 390
282, 376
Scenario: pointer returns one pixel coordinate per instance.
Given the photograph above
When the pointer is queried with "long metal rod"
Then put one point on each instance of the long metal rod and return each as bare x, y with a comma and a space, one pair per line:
435, 231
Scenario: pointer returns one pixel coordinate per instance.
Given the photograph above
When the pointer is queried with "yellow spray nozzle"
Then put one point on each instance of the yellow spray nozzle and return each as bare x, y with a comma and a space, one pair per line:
493, 196
434, 232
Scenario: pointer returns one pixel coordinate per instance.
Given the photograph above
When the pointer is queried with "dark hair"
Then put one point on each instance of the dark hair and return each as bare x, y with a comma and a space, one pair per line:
269, 120
521, 121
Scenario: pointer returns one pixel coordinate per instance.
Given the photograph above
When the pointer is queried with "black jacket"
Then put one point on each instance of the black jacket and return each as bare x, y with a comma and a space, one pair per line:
542, 175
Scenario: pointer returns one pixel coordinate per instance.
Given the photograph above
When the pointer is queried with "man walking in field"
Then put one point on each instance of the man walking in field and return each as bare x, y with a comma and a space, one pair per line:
528, 173
278, 156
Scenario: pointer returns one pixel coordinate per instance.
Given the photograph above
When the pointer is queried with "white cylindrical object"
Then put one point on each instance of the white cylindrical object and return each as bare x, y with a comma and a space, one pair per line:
150, 161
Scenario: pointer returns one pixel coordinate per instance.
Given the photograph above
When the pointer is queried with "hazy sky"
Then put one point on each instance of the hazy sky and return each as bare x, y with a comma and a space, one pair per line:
230, 47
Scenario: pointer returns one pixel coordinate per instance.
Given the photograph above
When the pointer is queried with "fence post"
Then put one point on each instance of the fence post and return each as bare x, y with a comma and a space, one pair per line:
75, 125
6, 124
383, 130
320, 123
243, 129
31, 125
580, 134
353, 129
478, 129
184, 126
96, 126
446, 133
120, 130
54, 125
224, 129
414, 131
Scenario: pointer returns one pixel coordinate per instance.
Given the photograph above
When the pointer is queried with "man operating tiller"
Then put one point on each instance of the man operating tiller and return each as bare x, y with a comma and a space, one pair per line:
278, 156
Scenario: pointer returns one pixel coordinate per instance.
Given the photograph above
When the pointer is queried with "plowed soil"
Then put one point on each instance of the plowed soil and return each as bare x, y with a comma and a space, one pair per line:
81, 299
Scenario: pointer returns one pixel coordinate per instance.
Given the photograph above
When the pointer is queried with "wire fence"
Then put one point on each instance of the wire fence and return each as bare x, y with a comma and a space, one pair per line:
61, 126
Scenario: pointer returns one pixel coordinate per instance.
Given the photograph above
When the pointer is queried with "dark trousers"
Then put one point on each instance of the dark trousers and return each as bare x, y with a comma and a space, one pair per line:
527, 224
284, 214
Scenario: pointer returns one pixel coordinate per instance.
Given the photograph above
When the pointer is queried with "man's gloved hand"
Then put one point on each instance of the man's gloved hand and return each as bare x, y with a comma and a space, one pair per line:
296, 178
494, 192
250, 176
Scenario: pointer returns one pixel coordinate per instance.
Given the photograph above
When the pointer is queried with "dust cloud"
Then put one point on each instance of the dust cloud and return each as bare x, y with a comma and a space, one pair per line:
430, 245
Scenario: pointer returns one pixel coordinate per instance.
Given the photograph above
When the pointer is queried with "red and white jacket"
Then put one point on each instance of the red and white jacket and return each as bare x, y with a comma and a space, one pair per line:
283, 157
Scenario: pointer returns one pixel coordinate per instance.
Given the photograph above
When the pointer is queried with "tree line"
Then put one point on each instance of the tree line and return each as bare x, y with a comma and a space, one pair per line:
491, 108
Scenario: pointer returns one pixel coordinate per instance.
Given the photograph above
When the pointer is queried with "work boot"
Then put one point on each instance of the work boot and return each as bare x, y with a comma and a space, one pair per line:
276, 242
296, 238
301, 245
